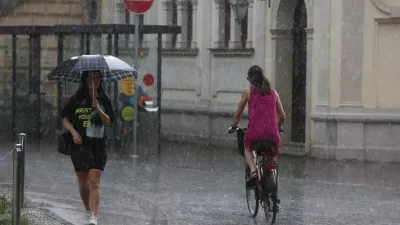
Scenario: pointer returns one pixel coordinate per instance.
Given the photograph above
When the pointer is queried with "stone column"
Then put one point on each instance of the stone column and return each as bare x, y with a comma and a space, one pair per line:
162, 18
235, 30
218, 28
283, 80
193, 44
250, 14
214, 26
352, 53
321, 52
335, 51
167, 10
205, 22
180, 41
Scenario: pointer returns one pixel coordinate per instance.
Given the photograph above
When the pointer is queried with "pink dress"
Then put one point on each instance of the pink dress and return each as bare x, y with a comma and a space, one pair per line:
263, 123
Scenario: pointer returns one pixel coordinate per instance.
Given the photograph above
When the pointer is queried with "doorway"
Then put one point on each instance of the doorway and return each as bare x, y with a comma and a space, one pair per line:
299, 73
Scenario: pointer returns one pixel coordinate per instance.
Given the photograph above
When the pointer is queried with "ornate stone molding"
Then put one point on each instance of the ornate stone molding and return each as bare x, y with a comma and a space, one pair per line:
382, 6
182, 3
194, 2
168, 4
391, 10
180, 52
7, 5
232, 52
219, 2
288, 33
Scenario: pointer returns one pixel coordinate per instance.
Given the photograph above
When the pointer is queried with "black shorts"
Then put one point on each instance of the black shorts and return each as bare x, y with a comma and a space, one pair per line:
85, 158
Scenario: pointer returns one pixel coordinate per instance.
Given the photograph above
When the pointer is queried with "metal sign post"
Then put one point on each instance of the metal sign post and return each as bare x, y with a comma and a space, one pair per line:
16, 199
22, 141
137, 7
136, 64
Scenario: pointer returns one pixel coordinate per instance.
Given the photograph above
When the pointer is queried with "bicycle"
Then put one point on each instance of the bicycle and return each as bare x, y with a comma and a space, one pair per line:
265, 190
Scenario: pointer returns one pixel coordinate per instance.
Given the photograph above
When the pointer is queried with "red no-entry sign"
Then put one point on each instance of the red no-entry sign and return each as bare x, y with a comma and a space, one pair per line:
148, 79
138, 6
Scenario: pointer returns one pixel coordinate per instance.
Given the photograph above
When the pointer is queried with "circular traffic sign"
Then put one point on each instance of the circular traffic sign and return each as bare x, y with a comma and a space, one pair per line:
148, 79
138, 6
128, 86
127, 113
132, 100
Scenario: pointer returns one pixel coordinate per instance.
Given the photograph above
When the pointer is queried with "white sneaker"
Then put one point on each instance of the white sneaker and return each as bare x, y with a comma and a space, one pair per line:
86, 216
92, 220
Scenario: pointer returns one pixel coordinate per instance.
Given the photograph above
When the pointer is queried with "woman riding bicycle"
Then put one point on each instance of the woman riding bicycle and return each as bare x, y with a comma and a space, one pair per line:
263, 125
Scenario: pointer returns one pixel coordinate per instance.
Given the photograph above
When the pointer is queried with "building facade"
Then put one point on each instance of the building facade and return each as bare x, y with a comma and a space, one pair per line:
27, 13
204, 68
344, 79
333, 63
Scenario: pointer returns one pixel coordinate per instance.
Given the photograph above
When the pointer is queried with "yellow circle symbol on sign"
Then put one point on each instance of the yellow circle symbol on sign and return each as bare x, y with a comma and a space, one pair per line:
127, 113
128, 86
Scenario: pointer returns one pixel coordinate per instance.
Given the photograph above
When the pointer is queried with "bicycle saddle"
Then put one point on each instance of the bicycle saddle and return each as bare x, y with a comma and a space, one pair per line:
263, 147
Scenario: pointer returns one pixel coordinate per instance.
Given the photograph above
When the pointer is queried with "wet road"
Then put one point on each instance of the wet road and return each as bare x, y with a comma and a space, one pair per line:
196, 186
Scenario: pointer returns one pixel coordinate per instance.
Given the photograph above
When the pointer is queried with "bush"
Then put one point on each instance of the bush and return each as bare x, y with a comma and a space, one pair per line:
6, 212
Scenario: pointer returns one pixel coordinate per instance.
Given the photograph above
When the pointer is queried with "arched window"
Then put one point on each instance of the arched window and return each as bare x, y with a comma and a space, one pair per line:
174, 21
227, 23
243, 31
240, 30
183, 11
128, 21
189, 24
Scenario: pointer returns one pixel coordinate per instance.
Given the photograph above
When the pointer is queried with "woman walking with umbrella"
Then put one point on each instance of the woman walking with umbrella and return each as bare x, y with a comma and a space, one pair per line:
85, 116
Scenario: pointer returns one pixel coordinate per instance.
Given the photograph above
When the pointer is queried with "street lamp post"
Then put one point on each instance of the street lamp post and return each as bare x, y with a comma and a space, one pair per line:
240, 9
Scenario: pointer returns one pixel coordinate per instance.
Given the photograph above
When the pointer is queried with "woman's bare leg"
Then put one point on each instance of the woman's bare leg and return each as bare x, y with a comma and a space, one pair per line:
94, 199
84, 188
250, 158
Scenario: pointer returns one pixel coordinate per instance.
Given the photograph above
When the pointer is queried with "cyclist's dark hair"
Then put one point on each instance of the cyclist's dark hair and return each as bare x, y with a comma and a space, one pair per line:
256, 77
83, 91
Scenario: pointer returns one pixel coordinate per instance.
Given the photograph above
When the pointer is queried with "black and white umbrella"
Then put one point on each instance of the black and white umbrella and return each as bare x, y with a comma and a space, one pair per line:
111, 67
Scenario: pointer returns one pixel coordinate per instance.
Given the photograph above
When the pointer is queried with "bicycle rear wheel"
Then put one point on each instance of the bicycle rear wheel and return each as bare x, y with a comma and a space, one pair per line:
269, 187
252, 195
274, 178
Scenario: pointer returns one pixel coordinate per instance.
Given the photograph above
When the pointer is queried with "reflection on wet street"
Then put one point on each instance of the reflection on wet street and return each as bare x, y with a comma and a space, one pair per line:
194, 185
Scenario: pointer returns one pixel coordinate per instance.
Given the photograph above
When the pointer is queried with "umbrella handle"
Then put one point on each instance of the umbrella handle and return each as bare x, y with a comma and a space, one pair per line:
92, 87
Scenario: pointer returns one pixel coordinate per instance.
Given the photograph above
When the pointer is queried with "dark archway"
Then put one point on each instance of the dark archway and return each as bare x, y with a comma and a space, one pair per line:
299, 73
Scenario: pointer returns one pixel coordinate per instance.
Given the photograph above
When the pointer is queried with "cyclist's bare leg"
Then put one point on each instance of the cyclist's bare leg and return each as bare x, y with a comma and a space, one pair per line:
250, 159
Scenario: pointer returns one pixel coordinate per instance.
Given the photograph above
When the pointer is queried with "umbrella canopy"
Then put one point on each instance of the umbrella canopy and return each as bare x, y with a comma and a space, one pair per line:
111, 67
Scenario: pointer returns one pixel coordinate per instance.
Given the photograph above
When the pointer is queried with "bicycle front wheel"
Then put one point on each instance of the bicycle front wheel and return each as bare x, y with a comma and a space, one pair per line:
252, 195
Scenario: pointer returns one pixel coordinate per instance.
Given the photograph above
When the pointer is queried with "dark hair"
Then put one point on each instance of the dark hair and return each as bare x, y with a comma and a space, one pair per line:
255, 75
82, 94
83, 91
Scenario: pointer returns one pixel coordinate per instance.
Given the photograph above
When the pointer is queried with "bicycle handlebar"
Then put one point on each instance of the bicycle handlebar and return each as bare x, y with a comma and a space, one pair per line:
238, 128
